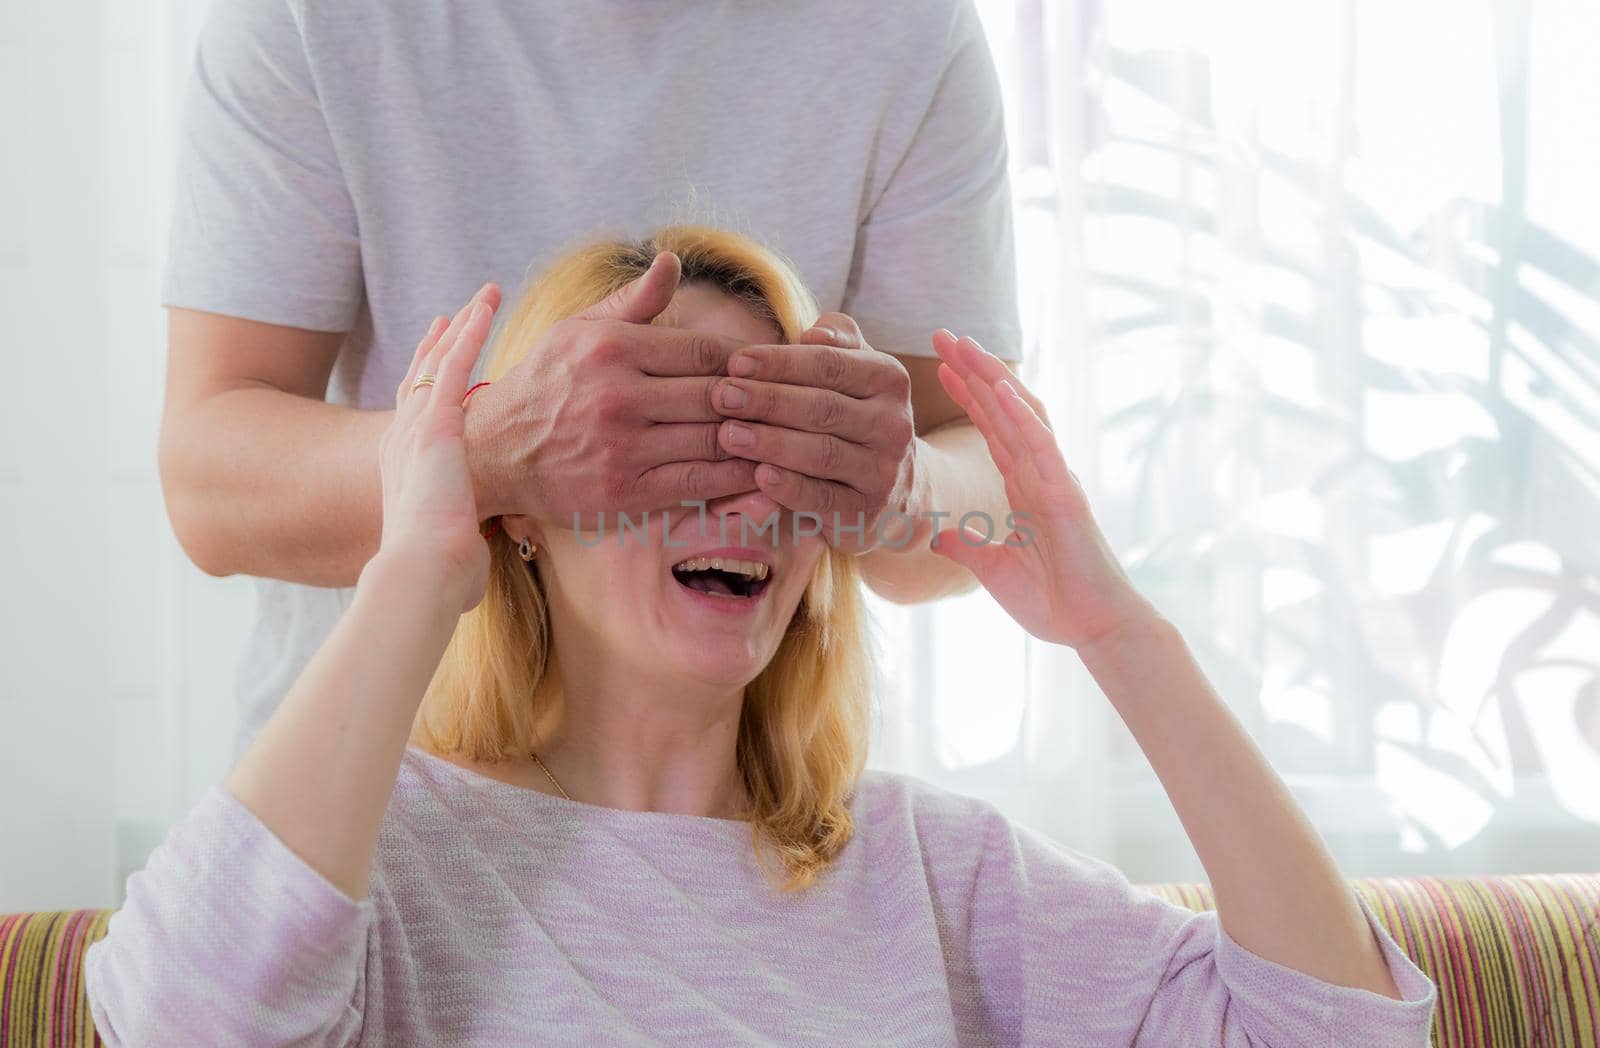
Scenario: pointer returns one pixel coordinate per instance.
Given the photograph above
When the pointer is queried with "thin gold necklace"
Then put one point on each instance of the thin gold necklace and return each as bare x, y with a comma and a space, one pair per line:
547, 772
552, 778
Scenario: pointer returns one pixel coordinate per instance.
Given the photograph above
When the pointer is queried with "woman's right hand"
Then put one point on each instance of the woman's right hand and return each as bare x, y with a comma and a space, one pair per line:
430, 514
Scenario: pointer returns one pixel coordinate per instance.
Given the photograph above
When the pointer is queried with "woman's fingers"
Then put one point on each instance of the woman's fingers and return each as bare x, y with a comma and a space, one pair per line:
430, 366
435, 330
962, 395
969, 549
1044, 456
971, 359
462, 354
431, 354
993, 369
1004, 434
1032, 430
1012, 420
958, 380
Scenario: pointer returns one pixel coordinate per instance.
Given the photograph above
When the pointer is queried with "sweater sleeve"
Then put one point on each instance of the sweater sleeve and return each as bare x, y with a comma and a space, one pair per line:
228, 937
1065, 950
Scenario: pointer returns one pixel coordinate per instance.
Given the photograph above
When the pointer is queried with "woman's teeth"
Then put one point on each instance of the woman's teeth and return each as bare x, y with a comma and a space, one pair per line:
750, 569
723, 576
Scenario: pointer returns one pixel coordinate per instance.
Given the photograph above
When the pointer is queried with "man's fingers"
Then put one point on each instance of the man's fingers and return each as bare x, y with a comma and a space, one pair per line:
814, 454
643, 297
795, 407
670, 484
668, 351
678, 399
848, 371
834, 328
802, 493
680, 442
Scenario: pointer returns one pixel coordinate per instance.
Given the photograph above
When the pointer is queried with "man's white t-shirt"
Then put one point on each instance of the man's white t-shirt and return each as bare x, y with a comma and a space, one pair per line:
362, 166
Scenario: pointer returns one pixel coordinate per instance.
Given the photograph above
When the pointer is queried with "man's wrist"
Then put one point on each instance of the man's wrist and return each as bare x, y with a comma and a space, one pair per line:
906, 527
482, 458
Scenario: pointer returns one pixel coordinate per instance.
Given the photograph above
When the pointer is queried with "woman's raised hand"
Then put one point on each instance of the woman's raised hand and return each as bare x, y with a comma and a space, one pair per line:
1054, 572
430, 516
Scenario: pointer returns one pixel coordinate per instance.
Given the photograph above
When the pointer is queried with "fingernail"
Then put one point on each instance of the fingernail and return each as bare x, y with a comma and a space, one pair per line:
739, 436
742, 367
829, 333
733, 396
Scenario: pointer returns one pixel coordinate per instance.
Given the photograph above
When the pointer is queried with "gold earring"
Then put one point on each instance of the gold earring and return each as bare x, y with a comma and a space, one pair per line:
526, 549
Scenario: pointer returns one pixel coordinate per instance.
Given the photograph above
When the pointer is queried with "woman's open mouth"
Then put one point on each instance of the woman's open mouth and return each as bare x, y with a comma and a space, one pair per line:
728, 578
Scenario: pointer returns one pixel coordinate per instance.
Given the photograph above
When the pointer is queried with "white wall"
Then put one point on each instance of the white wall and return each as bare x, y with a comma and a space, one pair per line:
117, 682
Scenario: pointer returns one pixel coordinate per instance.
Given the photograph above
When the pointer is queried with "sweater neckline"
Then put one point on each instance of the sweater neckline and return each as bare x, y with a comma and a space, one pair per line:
570, 809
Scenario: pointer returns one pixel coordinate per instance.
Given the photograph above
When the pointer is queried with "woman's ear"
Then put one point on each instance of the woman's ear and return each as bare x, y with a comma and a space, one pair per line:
519, 526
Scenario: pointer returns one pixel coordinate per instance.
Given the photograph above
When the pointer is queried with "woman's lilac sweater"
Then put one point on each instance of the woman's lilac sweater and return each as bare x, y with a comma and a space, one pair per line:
500, 915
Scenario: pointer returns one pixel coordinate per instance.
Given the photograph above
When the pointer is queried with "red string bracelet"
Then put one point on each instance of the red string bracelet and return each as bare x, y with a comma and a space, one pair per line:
494, 522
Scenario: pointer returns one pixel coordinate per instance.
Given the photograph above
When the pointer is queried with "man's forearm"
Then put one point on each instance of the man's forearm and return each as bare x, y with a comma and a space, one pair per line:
1279, 893
956, 476
263, 482
259, 481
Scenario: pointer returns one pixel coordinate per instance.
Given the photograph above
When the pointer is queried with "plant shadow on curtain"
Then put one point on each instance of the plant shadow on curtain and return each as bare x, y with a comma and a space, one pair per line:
1312, 294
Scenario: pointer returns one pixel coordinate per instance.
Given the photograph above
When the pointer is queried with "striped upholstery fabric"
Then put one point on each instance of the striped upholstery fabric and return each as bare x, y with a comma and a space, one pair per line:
1516, 959
41, 977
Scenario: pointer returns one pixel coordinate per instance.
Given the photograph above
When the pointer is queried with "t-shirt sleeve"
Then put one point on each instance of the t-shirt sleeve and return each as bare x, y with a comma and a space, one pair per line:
1065, 948
228, 937
937, 247
263, 226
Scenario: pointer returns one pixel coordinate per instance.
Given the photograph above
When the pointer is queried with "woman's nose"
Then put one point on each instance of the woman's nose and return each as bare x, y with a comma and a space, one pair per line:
755, 505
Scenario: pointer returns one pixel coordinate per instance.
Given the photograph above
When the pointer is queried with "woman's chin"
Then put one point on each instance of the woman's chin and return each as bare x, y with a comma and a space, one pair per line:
720, 662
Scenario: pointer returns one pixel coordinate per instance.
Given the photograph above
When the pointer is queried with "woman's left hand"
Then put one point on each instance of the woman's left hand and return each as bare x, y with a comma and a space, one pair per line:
1054, 572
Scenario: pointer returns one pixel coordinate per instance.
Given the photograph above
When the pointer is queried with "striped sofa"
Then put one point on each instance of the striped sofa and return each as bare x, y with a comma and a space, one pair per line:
1516, 959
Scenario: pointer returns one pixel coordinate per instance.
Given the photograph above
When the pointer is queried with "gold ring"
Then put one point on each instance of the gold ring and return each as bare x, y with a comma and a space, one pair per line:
422, 380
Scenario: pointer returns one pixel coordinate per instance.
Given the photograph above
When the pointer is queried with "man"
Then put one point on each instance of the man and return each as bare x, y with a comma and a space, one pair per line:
349, 170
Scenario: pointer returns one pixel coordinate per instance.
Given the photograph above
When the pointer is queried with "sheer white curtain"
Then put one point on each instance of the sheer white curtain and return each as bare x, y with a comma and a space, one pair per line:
1312, 292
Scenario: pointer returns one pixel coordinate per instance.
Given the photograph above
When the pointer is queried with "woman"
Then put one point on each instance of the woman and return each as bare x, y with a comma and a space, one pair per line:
604, 784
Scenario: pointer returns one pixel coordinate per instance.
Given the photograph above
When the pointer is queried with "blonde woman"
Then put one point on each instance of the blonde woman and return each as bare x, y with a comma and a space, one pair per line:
585, 783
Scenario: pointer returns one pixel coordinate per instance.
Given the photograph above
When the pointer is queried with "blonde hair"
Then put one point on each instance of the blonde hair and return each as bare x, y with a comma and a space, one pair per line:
803, 730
